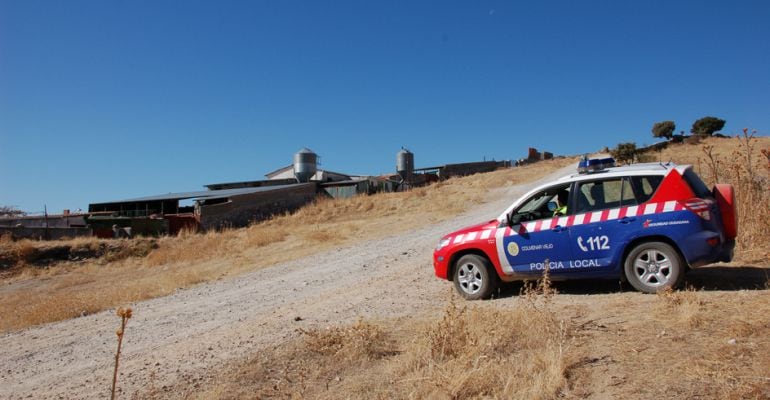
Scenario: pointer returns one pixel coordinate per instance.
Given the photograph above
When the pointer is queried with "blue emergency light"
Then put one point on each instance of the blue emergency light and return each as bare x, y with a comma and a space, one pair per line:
589, 165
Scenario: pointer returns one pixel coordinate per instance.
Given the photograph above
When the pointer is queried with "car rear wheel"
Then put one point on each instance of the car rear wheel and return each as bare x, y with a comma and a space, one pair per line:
474, 277
653, 266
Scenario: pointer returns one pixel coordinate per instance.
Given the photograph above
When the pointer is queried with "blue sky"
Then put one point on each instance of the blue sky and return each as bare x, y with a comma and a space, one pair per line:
105, 100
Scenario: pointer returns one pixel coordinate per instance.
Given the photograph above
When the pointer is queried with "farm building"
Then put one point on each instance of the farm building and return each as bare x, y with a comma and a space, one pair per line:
50, 226
354, 187
211, 209
452, 170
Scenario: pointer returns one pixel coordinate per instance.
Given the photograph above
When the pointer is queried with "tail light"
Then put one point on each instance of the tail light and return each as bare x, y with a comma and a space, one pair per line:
700, 207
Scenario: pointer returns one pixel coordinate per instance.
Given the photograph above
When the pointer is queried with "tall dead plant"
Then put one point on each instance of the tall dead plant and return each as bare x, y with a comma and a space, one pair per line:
124, 314
743, 170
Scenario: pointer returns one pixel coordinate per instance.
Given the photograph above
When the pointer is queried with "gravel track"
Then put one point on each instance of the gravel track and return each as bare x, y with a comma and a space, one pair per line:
176, 339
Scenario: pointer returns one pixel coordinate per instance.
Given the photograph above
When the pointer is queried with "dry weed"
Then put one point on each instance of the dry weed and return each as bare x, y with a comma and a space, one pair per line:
263, 235
683, 306
540, 293
124, 314
192, 248
362, 340
26, 252
476, 352
744, 170
451, 335
6, 238
471, 352
322, 235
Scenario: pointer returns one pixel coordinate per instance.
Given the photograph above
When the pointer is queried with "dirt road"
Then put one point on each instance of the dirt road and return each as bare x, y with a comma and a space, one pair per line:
176, 339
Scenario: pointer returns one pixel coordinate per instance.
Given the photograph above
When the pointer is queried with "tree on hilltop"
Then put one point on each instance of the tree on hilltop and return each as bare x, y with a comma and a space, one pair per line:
664, 129
706, 126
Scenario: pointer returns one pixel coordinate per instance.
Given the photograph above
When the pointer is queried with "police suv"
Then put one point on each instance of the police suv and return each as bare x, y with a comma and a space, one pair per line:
643, 223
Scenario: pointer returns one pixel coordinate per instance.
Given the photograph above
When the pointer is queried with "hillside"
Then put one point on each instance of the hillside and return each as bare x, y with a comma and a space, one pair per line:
339, 300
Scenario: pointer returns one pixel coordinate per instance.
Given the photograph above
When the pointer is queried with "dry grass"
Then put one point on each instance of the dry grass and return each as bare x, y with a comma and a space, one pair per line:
470, 352
724, 344
691, 344
362, 340
744, 168
16, 255
191, 248
682, 307
677, 344
134, 270
72, 291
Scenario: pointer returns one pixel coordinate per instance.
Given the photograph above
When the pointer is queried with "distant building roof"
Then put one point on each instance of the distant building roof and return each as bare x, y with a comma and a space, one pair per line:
245, 184
271, 174
203, 194
320, 175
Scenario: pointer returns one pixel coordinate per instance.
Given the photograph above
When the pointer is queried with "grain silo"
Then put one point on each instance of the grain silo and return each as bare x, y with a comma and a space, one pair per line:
305, 164
405, 164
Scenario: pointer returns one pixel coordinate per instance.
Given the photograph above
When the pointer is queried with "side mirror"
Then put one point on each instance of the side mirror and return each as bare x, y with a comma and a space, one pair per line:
515, 219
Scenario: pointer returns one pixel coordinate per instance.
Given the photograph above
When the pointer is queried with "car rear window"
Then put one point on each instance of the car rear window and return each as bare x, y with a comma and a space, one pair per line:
696, 184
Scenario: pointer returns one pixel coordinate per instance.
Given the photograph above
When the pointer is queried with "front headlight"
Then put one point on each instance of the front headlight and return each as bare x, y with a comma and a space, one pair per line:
443, 243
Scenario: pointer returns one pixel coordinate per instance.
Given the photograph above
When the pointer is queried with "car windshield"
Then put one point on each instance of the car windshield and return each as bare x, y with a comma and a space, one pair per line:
536, 202
536, 206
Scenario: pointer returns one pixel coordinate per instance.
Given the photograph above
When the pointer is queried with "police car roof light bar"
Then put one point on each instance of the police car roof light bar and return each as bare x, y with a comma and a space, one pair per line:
589, 165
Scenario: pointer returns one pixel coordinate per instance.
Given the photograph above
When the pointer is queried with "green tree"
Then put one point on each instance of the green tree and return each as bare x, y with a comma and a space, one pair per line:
664, 129
624, 153
706, 126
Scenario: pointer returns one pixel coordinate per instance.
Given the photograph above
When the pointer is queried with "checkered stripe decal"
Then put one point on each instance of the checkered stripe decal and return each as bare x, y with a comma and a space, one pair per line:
582, 219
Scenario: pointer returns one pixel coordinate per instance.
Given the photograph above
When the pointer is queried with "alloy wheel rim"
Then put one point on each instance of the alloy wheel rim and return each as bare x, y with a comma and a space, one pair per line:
470, 279
653, 268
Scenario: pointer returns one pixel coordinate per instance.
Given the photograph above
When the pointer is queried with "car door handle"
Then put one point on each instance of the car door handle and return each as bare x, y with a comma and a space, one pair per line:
626, 220
558, 228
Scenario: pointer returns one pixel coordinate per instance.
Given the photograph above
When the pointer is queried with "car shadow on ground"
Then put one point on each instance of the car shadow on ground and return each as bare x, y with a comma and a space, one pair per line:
710, 278
729, 278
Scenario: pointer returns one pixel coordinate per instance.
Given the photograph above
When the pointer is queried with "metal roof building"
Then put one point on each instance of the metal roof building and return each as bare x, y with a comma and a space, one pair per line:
212, 208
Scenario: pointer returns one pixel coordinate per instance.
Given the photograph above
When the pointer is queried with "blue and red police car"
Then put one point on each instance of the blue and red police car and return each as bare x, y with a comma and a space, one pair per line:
643, 223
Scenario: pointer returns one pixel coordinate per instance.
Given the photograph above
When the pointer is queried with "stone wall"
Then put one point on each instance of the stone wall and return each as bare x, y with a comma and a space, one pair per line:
244, 209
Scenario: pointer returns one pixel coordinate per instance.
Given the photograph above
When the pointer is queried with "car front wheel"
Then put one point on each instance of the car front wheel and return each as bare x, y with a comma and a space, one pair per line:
653, 266
475, 277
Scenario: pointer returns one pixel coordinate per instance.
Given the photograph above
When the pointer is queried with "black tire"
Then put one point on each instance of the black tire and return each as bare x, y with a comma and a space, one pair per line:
475, 277
651, 267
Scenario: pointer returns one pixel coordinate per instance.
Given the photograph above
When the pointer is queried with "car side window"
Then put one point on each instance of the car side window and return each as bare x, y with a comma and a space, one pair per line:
604, 194
645, 186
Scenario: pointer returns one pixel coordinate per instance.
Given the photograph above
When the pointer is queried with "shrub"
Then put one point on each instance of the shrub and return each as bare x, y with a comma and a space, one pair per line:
624, 152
